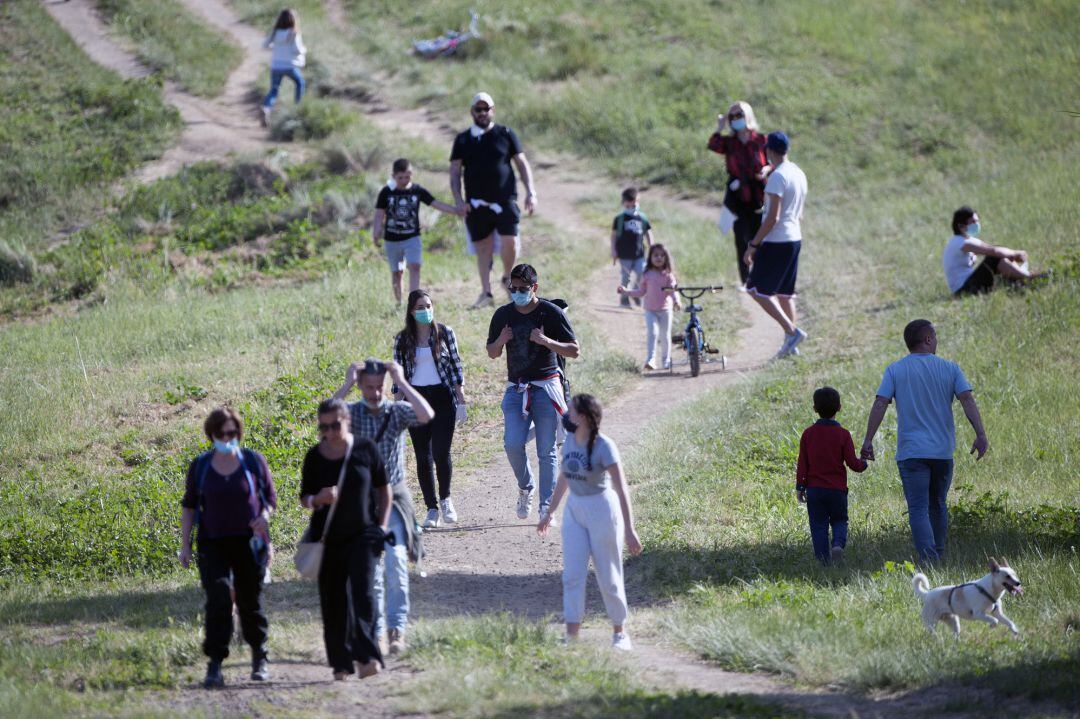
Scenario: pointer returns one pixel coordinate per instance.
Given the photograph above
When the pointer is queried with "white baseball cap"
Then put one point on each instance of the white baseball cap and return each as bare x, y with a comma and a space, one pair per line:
482, 97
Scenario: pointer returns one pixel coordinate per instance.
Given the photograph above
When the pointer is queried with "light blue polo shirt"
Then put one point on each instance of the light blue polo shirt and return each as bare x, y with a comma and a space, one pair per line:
924, 386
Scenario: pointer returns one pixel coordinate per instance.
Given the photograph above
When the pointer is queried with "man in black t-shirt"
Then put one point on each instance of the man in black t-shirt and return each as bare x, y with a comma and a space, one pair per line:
483, 154
535, 334
397, 220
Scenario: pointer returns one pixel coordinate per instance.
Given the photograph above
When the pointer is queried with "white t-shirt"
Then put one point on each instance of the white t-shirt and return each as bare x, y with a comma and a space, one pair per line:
788, 182
958, 264
288, 49
425, 373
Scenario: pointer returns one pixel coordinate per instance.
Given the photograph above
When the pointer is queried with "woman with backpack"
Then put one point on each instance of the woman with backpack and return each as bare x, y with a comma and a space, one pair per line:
344, 484
230, 496
428, 354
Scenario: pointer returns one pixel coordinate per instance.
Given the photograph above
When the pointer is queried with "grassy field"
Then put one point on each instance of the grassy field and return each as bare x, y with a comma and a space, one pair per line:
174, 42
203, 289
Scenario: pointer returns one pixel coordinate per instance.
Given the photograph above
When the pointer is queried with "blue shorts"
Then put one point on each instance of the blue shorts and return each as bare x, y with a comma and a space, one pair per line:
776, 265
402, 252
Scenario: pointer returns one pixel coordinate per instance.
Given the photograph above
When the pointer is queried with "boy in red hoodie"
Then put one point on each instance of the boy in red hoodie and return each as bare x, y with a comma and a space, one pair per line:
821, 481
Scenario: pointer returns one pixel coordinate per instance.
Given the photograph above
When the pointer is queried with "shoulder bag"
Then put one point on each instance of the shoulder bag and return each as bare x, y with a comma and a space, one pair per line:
309, 552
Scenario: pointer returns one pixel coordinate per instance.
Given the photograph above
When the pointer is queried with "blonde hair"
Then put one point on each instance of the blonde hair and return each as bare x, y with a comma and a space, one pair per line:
748, 115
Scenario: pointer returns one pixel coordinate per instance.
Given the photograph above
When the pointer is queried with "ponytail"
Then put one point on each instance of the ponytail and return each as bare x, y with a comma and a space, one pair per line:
589, 408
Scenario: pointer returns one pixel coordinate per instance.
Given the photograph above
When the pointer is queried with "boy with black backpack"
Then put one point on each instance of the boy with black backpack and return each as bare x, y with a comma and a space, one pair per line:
631, 236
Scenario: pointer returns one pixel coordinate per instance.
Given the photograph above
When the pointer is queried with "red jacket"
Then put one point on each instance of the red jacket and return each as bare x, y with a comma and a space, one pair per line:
824, 449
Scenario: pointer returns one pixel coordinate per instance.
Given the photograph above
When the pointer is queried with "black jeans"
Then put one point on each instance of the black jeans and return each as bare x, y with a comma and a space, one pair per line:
747, 224
827, 508
432, 443
347, 599
217, 559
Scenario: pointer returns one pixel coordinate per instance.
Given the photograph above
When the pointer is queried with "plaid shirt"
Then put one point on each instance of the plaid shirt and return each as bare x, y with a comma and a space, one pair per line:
365, 423
744, 162
447, 360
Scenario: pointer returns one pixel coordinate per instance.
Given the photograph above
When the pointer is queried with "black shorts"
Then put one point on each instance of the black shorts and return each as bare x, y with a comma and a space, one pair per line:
982, 279
481, 222
776, 265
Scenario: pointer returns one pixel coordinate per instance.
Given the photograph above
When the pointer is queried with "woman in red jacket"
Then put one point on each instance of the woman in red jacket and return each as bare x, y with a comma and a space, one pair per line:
744, 150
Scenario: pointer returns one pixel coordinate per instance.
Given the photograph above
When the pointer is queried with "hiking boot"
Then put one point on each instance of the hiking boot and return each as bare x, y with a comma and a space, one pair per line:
837, 555
621, 641
524, 503
260, 672
368, 670
449, 514
432, 519
484, 300
214, 679
397, 642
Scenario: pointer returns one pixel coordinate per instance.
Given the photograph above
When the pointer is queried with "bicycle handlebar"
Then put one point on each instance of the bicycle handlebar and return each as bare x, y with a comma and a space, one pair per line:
692, 293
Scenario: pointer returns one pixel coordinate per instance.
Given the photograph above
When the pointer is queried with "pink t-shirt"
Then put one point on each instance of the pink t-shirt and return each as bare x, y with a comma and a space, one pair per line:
651, 288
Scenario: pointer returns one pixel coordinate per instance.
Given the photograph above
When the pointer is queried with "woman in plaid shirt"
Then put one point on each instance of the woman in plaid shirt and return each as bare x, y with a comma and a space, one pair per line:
428, 353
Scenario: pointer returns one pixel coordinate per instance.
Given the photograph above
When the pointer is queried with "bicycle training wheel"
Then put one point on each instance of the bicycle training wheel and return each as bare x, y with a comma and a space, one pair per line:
693, 341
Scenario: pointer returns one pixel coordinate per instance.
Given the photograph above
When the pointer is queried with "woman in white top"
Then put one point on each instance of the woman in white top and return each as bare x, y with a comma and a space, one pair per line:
598, 520
428, 354
286, 59
958, 259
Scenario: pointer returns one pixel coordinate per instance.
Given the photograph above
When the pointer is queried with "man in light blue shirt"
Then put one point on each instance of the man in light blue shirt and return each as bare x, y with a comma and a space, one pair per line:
924, 385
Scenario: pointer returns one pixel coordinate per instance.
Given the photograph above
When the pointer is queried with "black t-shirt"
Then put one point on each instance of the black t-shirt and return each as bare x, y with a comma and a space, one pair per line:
526, 360
356, 504
402, 211
488, 173
630, 243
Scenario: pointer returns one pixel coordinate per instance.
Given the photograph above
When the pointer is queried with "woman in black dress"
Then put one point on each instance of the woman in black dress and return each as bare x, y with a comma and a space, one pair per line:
354, 540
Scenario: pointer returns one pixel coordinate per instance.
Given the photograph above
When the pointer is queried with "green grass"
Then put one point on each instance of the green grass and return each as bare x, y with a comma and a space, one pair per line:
68, 129
172, 41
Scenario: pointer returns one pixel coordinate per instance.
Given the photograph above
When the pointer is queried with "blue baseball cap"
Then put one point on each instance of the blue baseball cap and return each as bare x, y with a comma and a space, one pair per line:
778, 142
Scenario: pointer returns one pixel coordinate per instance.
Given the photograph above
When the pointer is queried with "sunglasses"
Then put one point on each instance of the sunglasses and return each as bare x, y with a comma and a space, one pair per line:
481, 110
519, 288
735, 116
227, 435
327, 426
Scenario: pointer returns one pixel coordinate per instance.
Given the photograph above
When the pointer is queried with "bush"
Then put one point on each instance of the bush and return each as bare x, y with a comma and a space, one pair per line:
15, 265
312, 119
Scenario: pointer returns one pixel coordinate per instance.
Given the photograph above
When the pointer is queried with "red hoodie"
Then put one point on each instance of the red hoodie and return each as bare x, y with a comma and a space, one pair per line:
824, 449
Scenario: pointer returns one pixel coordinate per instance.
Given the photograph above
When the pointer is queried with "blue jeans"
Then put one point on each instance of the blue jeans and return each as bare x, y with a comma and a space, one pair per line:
826, 507
392, 594
276, 76
628, 267
926, 483
545, 417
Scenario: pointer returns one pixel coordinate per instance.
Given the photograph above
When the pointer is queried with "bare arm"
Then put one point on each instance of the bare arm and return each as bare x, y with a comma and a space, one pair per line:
971, 411
570, 350
187, 523
1005, 253
384, 502
618, 483
768, 222
877, 414
560, 490
522, 164
455, 183
377, 226
614, 254
420, 406
443, 207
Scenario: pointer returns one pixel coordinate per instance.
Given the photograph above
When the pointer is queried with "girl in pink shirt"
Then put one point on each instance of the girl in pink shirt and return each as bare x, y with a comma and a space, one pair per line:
658, 303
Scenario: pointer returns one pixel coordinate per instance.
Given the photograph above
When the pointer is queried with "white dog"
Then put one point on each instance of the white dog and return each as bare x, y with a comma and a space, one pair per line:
973, 600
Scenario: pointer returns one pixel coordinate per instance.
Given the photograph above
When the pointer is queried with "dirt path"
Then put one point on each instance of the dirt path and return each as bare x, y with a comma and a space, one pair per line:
213, 129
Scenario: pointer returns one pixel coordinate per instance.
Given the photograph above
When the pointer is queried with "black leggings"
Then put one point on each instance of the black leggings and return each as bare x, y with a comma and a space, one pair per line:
746, 226
432, 443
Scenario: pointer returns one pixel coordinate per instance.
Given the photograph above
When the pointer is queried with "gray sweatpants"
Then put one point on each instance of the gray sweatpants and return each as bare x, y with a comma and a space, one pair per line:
593, 527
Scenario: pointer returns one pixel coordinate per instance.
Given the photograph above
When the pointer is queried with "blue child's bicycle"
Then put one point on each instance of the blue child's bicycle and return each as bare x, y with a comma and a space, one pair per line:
693, 337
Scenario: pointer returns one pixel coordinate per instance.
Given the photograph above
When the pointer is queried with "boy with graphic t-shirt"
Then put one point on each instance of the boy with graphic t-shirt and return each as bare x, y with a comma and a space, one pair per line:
397, 220
631, 237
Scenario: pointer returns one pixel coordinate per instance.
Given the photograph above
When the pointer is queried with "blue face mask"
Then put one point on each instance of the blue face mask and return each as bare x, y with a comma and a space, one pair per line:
424, 317
630, 210
738, 124
521, 298
973, 229
229, 447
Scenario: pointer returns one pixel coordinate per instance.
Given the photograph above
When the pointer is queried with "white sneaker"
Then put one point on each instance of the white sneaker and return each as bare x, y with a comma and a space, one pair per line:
621, 641
790, 343
524, 504
449, 515
265, 118
431, 521
484, 300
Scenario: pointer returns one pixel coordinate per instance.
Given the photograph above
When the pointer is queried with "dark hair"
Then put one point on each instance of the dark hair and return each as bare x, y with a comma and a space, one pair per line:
525, 272
629, 194
589, 407
373, 366
333, 406
961, 218
286, 20
917, 331
217, 419
401, 165
826, 402
669, 264
409, 334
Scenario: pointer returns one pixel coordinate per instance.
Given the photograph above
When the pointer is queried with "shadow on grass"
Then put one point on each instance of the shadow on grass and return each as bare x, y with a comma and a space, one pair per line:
643, 705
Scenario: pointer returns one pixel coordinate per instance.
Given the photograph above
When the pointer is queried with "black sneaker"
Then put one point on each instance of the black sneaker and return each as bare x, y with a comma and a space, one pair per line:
213, 679
259, 670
